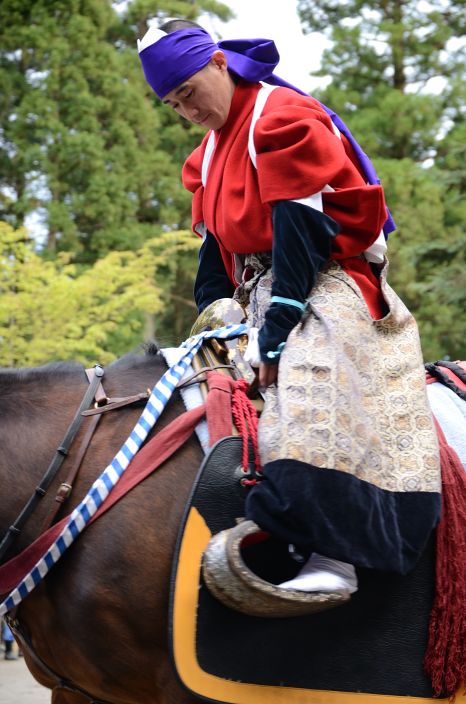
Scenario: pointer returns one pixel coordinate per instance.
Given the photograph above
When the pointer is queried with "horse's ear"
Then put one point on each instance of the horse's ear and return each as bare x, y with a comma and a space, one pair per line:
151, 349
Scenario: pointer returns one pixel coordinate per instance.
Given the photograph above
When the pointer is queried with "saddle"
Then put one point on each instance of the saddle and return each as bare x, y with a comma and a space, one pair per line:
371, 647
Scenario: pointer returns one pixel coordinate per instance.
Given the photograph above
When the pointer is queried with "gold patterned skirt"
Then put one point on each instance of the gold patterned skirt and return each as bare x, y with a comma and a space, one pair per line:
347, 433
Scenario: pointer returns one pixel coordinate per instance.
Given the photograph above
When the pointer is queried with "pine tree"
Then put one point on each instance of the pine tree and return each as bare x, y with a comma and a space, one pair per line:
84, 143
386, 62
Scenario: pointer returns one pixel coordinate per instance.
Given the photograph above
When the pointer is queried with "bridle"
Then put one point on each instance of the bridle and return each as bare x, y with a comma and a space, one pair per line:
94, 392
102, 403
95, 376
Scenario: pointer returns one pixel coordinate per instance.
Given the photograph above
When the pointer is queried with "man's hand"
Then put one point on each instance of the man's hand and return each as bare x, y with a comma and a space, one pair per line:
268, 374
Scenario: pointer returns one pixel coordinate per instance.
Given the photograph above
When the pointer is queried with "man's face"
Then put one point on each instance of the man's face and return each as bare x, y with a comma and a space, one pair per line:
205, 98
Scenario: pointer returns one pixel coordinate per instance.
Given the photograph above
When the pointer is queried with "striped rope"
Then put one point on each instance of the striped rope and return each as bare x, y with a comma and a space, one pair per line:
104, 484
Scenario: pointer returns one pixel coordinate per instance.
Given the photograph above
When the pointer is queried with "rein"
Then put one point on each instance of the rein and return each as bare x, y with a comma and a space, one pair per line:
14, 531
109, 478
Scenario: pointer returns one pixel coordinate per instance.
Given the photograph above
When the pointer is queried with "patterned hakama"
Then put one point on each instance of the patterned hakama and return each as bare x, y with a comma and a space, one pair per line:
347, 438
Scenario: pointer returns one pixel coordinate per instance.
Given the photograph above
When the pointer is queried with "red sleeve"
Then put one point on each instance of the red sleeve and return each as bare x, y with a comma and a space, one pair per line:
298, 152
191, 171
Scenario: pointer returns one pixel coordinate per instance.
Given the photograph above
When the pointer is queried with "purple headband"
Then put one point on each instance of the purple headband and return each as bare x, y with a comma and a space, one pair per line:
177, 56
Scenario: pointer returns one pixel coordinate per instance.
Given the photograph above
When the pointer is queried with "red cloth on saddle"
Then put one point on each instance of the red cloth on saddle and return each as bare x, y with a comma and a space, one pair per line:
228, 400
218, 406
445, 658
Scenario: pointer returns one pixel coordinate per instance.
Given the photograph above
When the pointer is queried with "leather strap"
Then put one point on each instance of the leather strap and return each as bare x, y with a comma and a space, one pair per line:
100, 395
109, 404
25, 642
202, 371
102, 404
66, 487
40, 491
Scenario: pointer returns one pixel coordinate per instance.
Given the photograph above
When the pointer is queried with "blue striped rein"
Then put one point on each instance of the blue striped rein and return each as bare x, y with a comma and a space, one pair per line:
104, 484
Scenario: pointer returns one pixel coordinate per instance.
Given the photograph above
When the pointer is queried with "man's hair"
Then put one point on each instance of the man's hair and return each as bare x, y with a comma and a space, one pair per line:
175, 24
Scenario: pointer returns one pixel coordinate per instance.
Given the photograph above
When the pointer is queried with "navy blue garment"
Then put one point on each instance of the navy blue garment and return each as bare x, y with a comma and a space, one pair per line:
338, 515
302, 240
212, 281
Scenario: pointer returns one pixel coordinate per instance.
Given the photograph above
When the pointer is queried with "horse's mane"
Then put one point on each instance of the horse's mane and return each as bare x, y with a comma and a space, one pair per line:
12, 375
15, 375
135, 359
12, 379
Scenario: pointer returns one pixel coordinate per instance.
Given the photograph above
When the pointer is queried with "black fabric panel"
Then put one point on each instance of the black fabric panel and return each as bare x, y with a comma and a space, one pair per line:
435, 371
302, 240
373, 644
212, 281
340, 516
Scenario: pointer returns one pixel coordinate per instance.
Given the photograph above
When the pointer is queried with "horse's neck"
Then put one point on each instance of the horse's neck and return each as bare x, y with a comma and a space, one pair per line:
35, 410
37, 407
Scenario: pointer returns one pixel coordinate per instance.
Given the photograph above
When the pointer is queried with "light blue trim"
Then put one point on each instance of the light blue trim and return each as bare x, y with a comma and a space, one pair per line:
277, 353
288, 302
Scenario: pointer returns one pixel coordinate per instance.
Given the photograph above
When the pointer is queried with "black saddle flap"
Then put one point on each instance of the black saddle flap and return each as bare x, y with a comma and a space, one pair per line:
374, 644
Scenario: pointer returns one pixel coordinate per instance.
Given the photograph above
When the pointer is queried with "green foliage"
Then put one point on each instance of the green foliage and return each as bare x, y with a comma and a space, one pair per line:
84, 141
427, 259
381, 65
91, 154
138, 13
57, 310
87, 148
408, 38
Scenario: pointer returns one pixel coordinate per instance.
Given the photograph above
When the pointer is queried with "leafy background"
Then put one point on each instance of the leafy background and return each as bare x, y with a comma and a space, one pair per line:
91, 160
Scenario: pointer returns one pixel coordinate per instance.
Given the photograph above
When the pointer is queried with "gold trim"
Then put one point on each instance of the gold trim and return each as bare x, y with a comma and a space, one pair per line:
195, 539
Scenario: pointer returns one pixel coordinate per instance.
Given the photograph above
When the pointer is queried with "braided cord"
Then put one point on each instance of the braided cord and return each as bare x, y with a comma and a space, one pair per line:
245, 417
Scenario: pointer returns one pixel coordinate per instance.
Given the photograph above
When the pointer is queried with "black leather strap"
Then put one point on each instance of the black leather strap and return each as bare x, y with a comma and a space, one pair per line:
61, 452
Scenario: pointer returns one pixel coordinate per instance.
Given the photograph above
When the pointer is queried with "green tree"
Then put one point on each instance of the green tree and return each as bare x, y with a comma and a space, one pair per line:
87, 152
386, 59
427, 258
53, 310
84, 143
81, 142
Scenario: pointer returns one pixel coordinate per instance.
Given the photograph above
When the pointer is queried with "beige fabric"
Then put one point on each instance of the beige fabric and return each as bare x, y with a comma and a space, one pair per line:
351, 391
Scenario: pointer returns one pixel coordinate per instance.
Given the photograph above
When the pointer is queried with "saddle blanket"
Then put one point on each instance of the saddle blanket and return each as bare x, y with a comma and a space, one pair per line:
373, 646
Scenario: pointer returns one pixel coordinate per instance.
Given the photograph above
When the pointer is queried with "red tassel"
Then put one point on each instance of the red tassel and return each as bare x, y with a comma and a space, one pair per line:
445, 658
246, 421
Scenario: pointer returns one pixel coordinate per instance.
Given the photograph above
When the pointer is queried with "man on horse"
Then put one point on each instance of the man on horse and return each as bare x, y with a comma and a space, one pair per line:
294, 227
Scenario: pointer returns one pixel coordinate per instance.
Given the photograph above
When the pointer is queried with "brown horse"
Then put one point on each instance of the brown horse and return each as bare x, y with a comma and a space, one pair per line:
99, 619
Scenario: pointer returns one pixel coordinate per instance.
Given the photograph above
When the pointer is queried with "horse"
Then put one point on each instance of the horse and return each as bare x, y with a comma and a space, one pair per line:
99, 621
